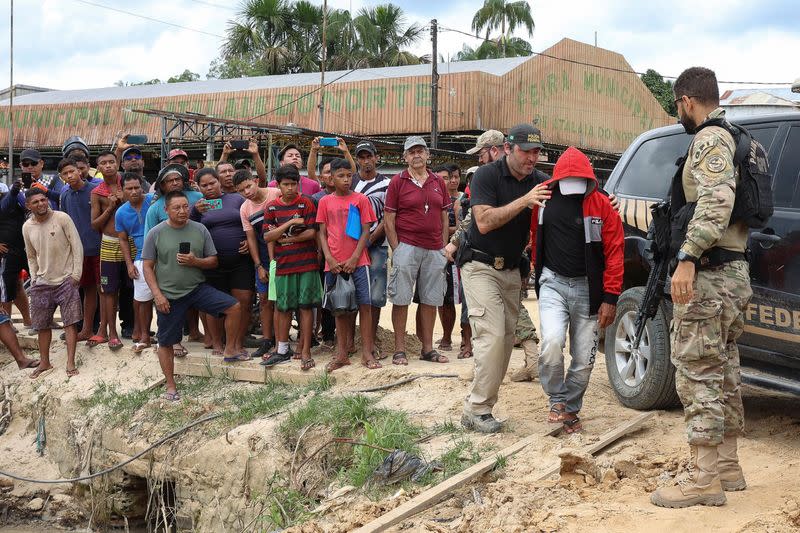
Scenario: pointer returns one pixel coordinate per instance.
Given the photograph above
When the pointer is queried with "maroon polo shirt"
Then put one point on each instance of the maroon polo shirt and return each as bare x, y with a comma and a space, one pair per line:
415, 224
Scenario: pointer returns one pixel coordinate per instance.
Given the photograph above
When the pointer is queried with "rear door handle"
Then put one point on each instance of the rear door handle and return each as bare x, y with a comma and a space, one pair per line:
766, 240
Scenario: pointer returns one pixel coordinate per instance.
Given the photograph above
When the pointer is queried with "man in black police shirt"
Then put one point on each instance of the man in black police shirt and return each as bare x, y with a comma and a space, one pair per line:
503, 193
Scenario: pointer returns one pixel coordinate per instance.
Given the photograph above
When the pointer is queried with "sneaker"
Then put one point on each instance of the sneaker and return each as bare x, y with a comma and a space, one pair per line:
481, 423
264, 347
276, 358
252, 342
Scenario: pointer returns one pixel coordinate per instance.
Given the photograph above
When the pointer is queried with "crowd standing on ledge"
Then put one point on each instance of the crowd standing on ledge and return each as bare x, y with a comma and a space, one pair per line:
102, 243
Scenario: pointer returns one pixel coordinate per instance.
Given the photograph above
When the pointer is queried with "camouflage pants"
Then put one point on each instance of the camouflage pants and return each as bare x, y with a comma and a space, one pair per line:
705, 355
525, 329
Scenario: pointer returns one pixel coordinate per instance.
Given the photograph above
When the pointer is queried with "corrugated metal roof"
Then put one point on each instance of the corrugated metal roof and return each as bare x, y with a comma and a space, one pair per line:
759, 98
497, 67
778, 92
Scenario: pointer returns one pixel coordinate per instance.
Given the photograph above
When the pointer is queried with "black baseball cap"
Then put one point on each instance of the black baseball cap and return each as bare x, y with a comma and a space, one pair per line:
525, 136
132, 150
366, 146
31, 154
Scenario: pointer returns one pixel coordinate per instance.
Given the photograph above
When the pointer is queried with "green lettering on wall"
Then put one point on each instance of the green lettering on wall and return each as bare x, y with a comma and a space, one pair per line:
401, 89
283, 105
230, 108
305, 104
423, 95
353, 100
94, 116
333, 100
57, 121
376, 97
81, 114
106, 115
259, 106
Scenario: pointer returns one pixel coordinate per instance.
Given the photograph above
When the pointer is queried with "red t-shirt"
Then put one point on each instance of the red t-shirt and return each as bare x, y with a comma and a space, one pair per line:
419, 209
333, 211
295, 257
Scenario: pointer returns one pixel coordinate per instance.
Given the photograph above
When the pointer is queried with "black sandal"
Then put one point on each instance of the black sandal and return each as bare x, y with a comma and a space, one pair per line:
572, 425
399, 358
558, 409
434, 357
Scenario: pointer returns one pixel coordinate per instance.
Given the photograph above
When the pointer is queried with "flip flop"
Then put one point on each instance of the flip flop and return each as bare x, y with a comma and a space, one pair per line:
399, 358
94, 340
372, 364
73, 372
139, 347
335, 364
446, 346
115, 344
180, 352
307, 364
434, 357
36, 373
171, 396
33, 364
465, 354
237, 358
217, 352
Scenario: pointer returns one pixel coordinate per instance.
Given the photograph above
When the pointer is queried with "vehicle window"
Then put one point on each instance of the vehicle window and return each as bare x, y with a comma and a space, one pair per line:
787, 173
765, 136
649, 172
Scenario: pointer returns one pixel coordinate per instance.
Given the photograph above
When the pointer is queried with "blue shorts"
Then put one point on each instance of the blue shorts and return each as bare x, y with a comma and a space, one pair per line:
378, 255
203, 298
4, 318
361, 277
262, 288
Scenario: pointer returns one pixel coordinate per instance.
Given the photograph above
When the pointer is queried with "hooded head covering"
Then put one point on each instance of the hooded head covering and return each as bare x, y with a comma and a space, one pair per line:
172, 169
574, 164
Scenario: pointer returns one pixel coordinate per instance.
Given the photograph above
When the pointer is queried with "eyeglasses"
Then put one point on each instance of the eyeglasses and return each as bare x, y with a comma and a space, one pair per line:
686, 95
29, 163
133, 157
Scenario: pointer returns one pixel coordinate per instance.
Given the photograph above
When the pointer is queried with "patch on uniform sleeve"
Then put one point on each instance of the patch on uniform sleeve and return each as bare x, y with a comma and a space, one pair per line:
716, 164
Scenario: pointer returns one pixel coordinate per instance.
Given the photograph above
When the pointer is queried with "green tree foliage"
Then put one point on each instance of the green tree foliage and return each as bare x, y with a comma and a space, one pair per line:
504, 16
285, 36
503, 47
661, 89
186, 75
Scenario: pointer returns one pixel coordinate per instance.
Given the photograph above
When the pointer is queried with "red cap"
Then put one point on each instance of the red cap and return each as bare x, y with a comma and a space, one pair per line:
573, 164
175, 152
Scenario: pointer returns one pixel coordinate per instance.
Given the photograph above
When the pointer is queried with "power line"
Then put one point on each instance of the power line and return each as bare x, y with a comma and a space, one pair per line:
211, 4
130, 13
606, 67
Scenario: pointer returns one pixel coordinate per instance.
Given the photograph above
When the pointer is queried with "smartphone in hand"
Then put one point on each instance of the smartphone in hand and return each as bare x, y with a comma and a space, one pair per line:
137, 139
214, 203
329, 141
184, 248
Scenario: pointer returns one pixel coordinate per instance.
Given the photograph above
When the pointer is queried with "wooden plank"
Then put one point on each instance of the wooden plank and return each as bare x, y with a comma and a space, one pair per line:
429, 497
245, 371
424, 500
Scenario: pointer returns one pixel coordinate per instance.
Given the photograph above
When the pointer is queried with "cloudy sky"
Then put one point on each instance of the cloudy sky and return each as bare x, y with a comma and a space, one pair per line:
70, 44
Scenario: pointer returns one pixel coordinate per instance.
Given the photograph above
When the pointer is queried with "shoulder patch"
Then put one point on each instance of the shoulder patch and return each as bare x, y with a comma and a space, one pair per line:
716, 163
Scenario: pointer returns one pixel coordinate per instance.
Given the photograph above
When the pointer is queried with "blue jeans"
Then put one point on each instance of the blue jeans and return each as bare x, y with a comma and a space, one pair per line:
563, 305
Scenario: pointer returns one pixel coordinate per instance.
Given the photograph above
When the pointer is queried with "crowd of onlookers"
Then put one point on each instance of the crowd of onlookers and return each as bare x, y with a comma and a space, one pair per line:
203, 245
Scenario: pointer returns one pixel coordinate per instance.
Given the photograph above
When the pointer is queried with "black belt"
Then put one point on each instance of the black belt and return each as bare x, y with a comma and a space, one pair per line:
498, 263
716, 257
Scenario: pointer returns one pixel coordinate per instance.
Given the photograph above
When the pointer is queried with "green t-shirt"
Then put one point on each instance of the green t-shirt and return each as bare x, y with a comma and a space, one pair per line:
162, 244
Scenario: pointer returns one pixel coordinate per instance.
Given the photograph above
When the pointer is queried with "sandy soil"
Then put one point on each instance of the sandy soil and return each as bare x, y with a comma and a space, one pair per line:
615, 497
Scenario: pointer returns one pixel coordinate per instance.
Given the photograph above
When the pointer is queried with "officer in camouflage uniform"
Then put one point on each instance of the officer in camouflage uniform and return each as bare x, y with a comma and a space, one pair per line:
710, 300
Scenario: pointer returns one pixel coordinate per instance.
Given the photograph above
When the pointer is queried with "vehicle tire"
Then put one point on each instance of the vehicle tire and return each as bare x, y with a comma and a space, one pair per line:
646, 381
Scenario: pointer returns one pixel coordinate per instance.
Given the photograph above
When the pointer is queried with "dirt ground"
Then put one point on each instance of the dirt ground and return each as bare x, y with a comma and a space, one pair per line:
610, 493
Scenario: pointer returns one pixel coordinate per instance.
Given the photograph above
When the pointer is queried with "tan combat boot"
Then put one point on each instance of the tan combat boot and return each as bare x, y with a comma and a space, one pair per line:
730, 473
705, 489
530, 371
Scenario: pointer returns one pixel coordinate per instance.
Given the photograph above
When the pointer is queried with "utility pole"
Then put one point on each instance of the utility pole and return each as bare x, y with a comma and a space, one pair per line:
322, 66
434, 86
11, 104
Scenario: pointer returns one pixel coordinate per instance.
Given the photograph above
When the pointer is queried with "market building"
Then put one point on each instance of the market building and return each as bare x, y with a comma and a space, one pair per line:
577, 94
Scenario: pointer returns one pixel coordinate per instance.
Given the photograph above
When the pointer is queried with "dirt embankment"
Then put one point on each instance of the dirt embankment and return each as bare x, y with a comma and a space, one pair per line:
608, 493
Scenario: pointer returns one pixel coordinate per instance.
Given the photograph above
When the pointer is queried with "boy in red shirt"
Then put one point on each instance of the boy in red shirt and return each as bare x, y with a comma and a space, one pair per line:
345, 255
289, 223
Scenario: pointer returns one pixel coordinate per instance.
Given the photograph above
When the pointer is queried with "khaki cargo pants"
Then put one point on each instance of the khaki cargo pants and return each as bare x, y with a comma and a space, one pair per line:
493, 301
705, 355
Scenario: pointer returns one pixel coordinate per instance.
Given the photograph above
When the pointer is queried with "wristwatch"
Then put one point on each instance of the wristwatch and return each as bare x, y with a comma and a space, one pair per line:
683, 256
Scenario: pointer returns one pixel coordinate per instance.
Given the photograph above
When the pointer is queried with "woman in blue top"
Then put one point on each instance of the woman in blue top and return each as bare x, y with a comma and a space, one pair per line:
235, 273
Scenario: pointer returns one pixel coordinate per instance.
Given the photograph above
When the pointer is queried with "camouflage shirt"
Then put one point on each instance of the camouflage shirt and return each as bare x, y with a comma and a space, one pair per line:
709, 178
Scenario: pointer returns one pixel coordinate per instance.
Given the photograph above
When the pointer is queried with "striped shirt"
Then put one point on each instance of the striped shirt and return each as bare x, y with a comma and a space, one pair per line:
375, 191
296, 257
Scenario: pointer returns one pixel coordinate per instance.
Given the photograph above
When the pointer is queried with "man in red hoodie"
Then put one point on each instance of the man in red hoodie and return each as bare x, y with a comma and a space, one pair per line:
578, 249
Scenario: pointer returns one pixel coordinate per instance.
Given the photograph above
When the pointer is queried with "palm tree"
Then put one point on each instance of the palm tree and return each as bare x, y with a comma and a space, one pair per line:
261, 33
383, 34
305, 37
505, 16
507, 47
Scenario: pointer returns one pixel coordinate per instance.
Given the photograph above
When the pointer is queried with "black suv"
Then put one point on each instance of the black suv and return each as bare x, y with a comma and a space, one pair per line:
770, 345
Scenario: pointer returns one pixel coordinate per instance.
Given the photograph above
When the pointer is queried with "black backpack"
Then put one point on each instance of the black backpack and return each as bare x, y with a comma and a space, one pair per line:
754, 202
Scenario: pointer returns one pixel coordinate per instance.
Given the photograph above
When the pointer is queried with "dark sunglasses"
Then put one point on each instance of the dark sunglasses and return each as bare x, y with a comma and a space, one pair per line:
133, 157
29, 163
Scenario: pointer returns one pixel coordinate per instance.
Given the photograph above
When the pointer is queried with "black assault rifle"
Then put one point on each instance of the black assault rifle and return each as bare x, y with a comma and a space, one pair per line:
659, 236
